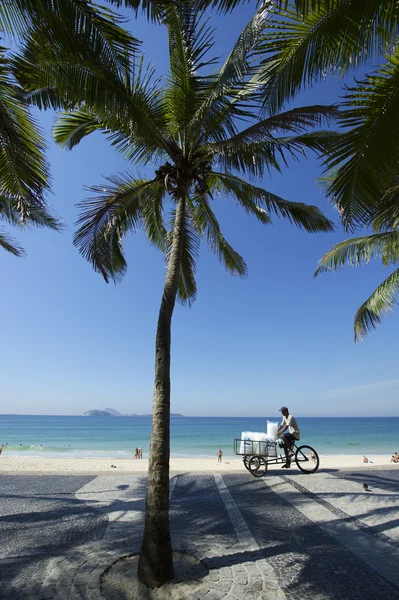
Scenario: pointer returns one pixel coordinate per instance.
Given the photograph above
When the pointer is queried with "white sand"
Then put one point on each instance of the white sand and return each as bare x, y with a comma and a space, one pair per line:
24, 464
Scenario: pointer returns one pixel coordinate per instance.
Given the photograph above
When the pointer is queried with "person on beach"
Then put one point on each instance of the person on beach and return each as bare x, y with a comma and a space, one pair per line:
220, 454
140, 455
395, 458
365, 459
292, 435
1, 448
136, 453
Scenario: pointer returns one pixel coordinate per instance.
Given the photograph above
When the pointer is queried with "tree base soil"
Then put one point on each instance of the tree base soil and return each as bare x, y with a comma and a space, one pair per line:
120, 582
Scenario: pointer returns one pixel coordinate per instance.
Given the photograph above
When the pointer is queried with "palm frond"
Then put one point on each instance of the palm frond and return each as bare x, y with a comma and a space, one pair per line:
78, 30
153, 9
304, 216
295, 120
9, 245
190, 39
366, 157
223, 183
360, 251
230, 87
128, 110
37, 214
207, 225
256, 157
381, 302
300, 48
387, 211
72, 127
24, 174
107, 217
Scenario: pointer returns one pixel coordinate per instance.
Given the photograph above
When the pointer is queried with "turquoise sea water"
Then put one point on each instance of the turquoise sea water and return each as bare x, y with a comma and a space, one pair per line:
117, 437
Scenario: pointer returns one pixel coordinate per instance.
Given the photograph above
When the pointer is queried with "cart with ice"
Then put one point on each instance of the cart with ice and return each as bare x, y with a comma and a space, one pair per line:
259, 450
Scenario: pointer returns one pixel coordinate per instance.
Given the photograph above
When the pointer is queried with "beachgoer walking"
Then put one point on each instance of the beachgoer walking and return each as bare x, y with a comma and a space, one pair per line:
293, 435
220, 454
136, 453
140, 455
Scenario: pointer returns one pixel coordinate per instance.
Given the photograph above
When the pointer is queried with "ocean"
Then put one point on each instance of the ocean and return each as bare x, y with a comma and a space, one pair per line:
117, 437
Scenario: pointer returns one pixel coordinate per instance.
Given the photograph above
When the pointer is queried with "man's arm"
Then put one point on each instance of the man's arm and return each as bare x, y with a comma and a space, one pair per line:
283, 427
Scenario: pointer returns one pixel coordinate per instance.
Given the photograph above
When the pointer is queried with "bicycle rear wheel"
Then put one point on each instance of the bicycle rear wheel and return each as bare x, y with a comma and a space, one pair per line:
307, 459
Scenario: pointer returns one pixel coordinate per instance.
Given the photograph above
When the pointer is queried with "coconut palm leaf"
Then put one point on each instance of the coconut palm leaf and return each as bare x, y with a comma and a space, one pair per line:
221, 183
255, 157
257, 146
366, 158
189, 41
9, 245
221, 105
208, 226
358, 251
77, 29
37, 215
129, 111
381, 302
302, 215
105, 218
24, 176
301, 47
387, 211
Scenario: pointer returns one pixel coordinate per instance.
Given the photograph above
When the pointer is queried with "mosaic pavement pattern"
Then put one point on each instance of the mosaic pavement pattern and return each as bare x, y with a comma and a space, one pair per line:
285, 536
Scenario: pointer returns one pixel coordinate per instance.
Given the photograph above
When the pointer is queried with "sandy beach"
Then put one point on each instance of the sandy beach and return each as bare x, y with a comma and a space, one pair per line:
24, 464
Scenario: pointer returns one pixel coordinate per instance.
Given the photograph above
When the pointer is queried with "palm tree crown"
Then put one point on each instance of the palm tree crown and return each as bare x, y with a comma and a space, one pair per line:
189, 129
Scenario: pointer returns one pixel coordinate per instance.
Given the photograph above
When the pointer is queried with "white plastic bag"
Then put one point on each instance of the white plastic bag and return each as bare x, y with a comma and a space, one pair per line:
246, 446
259, 445
253, 442
272, 430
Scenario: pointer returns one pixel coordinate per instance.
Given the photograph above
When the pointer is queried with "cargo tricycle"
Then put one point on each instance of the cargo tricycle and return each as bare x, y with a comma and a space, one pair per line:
258, 455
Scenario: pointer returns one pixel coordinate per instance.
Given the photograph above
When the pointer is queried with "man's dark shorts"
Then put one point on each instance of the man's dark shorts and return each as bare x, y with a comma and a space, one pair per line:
290, 437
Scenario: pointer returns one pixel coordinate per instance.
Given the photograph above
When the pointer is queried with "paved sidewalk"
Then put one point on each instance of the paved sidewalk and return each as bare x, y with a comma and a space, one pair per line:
76, 576
289, 536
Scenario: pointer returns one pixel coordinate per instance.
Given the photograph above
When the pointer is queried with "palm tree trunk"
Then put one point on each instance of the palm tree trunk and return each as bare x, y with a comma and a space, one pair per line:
155, 565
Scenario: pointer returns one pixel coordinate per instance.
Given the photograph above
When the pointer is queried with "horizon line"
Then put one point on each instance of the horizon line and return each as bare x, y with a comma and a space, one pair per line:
148, 415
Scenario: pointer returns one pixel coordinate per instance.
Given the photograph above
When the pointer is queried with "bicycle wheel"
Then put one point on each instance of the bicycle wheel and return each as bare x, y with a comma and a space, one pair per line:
257, 466
246, 460
307, 459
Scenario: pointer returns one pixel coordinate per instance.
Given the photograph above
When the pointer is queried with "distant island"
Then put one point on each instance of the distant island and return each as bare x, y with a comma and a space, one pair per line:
110, 412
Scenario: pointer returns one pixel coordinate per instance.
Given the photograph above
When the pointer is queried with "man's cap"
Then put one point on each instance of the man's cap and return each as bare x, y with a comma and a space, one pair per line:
283, 408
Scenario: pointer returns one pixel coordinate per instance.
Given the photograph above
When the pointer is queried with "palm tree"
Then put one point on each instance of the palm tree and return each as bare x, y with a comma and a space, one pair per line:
188, 128
384, 244
73, 29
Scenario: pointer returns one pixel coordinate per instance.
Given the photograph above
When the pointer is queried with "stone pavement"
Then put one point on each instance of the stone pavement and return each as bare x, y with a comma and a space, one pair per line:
290, 536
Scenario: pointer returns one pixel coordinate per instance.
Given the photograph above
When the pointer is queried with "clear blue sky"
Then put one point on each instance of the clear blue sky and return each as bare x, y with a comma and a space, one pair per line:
71, 343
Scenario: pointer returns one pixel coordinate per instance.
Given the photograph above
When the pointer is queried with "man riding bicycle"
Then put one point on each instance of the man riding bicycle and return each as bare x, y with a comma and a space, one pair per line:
289, 438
